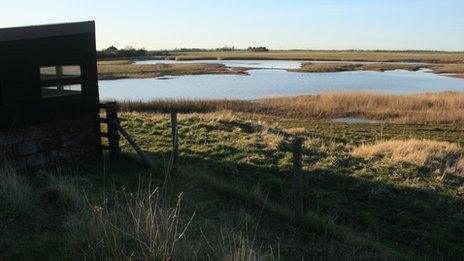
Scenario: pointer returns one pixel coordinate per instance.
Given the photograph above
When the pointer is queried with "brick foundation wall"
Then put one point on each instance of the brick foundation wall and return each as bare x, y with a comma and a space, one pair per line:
49, 144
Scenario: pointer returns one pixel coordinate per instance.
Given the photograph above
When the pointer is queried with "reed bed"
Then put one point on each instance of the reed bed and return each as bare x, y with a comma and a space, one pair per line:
188, 106
426, 108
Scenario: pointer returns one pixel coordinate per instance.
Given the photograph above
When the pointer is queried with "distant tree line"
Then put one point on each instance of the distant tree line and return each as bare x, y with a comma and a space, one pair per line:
226, 49
191, 50
257, 49
113, 52
220, 49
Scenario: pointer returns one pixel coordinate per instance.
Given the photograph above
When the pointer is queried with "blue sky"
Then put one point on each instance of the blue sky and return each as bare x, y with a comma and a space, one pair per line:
277, 24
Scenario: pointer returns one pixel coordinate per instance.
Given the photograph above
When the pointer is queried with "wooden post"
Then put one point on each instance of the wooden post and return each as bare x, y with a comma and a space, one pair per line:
297, 180
59, 74
113, 135
175, 143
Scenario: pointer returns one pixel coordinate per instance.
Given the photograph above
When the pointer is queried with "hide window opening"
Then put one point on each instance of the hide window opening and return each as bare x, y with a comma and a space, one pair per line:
61, 80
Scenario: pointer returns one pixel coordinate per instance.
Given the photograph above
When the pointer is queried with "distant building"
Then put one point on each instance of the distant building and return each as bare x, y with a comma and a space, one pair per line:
49, 101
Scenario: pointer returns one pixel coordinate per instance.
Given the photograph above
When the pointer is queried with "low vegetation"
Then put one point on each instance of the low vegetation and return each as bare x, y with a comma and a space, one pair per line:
426, 108
111, 70
341, 67
455, 70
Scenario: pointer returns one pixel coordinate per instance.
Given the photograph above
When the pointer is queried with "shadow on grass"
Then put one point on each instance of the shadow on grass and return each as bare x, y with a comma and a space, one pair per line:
419, 221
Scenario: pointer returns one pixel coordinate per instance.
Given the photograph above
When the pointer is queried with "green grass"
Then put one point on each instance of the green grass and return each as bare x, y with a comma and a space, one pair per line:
403, 205
235, 180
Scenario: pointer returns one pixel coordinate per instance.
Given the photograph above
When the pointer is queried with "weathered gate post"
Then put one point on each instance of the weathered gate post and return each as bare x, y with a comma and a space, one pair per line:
113, 134
175, 143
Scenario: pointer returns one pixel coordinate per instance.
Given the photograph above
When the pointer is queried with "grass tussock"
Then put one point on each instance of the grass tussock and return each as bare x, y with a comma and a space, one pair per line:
63, 191
436, 108
437, 155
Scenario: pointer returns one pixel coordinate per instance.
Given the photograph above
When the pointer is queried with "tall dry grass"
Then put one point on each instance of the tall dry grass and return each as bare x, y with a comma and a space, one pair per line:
187, 106
436, 108
15, 192
142, 226
446, 107
437, 155
130, 226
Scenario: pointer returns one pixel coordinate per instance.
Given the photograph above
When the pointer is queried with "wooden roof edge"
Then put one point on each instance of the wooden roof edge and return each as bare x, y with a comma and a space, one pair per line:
44, 31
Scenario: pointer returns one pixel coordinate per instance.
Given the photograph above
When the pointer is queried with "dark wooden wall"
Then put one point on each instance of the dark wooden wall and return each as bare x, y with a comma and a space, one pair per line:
20, 90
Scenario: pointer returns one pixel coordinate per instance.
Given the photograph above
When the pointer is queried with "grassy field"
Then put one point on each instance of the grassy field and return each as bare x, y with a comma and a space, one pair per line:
426, 108
354, 194
369, 56
371, 191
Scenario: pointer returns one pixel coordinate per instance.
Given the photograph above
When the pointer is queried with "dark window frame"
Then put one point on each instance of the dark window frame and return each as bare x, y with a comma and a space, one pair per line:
78, 80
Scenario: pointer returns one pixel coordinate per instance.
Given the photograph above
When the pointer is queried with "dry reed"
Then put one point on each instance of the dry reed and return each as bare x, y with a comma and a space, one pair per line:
436, 155
425, 108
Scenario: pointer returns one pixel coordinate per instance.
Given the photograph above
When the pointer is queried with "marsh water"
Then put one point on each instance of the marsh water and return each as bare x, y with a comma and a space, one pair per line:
270, 79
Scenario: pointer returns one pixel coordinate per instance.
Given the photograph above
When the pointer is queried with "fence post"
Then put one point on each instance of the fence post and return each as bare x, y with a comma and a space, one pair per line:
113, 135
297, 143
175, 143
